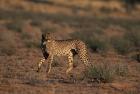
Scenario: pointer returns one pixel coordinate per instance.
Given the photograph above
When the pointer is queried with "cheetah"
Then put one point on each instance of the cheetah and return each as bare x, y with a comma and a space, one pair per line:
69, 48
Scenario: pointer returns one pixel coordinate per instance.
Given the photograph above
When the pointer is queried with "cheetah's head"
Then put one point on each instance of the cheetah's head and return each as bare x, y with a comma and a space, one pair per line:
46, 37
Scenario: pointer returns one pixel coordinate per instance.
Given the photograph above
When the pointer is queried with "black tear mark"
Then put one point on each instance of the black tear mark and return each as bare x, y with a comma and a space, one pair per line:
43, 47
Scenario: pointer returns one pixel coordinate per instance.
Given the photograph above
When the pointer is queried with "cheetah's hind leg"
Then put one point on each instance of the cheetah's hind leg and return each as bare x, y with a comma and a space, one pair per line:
70, 61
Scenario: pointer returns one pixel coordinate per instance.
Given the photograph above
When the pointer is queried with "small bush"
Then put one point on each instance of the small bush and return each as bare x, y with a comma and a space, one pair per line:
121, 45
129, 43
97, 45
134, 37
105, 72
15, 26
99, 73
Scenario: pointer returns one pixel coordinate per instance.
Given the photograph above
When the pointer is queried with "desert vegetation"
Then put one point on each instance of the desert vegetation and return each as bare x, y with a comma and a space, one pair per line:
105, 73
110, 30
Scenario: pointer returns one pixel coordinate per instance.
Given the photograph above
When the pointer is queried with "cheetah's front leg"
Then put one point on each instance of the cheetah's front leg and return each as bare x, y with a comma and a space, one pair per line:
50, 61
40, 63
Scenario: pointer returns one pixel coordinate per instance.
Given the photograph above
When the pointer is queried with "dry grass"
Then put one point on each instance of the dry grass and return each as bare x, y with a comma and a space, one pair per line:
106, 72
24, 21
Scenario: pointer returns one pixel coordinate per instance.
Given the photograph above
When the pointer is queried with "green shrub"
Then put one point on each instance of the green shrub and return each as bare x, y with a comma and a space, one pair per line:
101, 73
127, 44
121, 45
105, 72
97, 45
134, 37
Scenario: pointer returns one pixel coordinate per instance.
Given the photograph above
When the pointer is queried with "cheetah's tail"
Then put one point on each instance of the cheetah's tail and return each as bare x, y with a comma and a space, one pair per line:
82, 53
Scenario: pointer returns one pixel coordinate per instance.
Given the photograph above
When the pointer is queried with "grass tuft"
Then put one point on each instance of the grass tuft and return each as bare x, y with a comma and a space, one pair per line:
105, 72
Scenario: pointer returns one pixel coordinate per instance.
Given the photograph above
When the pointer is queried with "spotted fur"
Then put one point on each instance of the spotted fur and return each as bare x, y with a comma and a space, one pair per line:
51, 47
